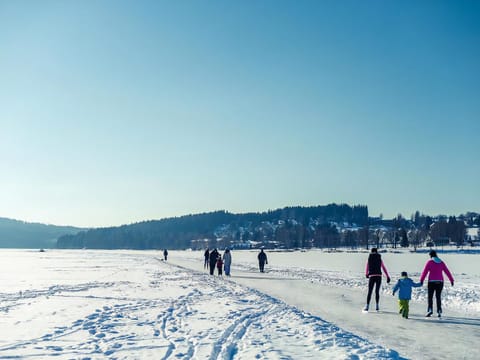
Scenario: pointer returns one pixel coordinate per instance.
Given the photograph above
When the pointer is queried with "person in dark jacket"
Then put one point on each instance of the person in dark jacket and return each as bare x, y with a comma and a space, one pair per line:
213, 260
165, 254
404, 287
262, 260
206, 256
373, 273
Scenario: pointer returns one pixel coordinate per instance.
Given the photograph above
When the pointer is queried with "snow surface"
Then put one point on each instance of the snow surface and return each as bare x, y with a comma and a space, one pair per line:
132, 305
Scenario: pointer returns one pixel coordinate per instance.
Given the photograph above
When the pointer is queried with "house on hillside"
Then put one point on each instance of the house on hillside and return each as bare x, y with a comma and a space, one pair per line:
473, 236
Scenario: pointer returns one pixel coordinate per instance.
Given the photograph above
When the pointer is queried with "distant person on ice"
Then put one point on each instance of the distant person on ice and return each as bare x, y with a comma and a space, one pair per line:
435, 269
262, 260
206, 255
165, 254
373, 273
404, 287
213, 260
219, 265
227, 259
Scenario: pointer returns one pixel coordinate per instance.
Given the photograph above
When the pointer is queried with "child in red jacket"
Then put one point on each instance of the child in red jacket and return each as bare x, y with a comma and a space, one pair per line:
219, 265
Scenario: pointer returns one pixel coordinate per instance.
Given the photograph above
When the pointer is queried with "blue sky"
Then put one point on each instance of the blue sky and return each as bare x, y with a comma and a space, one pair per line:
114, 112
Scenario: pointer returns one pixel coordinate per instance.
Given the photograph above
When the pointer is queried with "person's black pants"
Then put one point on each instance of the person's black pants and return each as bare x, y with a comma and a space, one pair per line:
435, 287
212, 267
261, 265
374, 281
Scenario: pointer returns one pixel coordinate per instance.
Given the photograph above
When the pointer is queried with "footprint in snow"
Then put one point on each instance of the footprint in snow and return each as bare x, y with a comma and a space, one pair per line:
55, 348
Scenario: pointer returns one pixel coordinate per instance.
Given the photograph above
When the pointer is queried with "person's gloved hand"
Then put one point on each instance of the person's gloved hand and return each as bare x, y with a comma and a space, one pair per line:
366, 276
451, 283
388, 280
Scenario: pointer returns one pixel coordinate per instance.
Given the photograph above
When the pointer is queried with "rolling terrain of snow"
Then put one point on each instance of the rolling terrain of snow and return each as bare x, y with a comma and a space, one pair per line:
132, 305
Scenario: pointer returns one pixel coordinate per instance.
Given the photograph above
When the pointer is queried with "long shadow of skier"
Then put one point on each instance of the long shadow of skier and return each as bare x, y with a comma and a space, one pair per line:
451, 320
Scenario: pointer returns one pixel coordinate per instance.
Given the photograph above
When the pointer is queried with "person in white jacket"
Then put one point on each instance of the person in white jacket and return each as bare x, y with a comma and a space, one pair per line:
227, 261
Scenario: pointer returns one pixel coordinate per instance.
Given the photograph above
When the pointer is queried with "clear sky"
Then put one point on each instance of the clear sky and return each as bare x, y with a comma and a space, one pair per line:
113, 112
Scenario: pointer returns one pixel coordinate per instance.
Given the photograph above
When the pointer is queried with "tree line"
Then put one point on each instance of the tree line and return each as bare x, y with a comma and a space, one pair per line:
330, 226
286, 227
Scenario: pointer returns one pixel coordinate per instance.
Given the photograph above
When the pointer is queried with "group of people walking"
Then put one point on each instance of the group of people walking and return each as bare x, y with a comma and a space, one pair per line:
213, 259
433, 269
375, 268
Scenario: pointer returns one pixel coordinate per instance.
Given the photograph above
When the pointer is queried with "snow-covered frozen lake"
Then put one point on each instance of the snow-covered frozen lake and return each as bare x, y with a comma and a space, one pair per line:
132, 305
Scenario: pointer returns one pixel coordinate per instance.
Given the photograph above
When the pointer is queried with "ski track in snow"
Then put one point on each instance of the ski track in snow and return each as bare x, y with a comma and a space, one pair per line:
191, 315
255, 323
10, 301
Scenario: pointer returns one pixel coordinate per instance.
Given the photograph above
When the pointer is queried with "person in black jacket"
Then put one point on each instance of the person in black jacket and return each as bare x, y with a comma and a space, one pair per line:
165, 254
262, 260
373, 272
206, 256
213, 260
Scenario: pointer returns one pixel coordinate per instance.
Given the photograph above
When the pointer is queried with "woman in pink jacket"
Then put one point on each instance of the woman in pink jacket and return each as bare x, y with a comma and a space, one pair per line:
435, 269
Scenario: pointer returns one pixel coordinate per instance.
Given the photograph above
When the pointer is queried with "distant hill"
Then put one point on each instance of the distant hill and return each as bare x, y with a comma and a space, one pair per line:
20, 234
290, 227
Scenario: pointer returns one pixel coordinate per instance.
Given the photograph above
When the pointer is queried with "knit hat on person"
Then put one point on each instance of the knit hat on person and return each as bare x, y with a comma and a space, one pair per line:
404, 273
